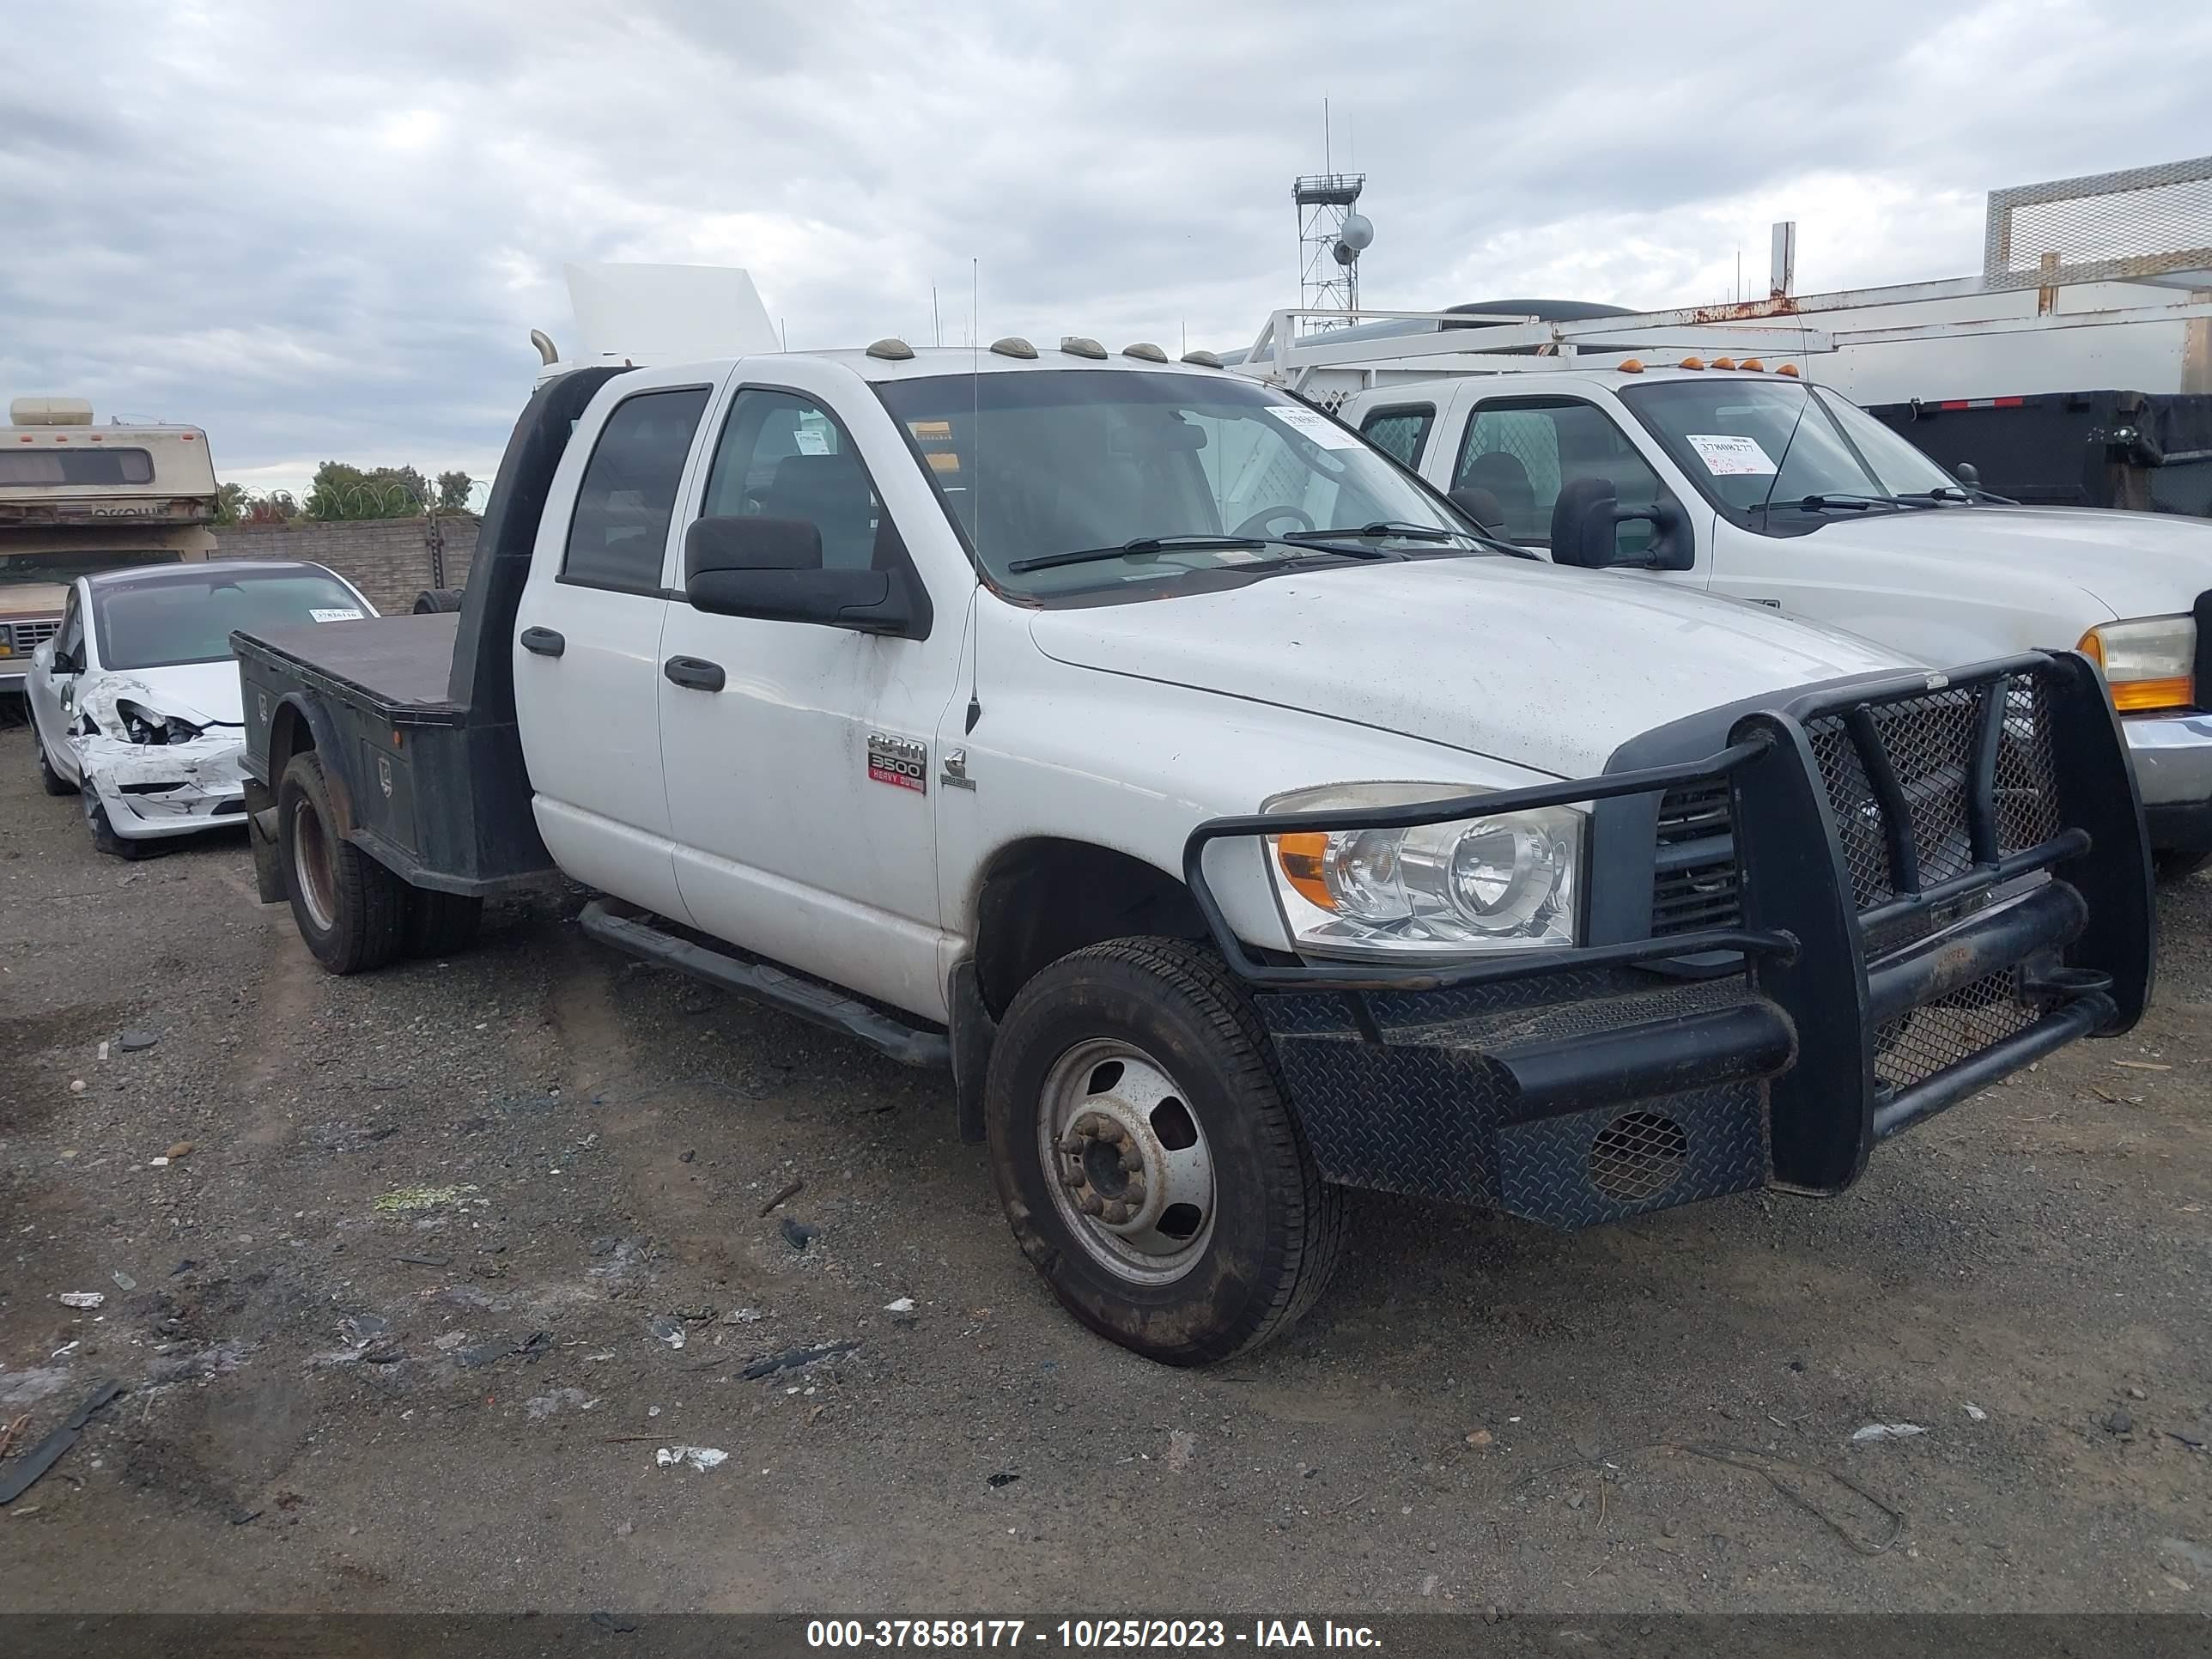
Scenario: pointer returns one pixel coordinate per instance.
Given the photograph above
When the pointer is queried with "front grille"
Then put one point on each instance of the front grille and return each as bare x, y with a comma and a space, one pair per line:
1928, 742
28, 636
1694, 884
1914, 1046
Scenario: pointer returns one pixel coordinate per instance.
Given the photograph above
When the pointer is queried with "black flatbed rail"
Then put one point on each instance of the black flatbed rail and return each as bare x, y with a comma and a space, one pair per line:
412, 716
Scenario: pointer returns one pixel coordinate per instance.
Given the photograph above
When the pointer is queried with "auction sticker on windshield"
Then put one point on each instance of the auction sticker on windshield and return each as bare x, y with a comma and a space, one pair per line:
1726, 455
1318, 426
335, 613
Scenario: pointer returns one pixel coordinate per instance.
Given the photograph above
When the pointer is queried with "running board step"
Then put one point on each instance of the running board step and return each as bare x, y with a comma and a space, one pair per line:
635, 931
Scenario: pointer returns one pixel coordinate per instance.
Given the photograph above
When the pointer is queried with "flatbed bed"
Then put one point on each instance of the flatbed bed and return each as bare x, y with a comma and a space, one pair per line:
400, 666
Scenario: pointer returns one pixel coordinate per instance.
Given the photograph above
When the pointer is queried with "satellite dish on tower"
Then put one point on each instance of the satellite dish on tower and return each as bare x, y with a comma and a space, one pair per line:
1359, 231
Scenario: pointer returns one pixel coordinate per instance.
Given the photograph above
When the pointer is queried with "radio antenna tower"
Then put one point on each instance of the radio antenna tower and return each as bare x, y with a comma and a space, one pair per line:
1332, 235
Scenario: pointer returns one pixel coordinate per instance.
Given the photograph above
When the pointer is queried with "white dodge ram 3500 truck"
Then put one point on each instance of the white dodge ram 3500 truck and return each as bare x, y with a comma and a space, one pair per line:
1236, 824
1757, 487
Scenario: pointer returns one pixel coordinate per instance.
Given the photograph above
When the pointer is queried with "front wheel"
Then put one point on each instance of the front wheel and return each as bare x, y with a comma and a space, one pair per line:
1147, 1158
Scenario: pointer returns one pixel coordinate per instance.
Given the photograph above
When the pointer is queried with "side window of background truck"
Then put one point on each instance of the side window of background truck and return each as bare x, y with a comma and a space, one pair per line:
1524, 451
1403, 430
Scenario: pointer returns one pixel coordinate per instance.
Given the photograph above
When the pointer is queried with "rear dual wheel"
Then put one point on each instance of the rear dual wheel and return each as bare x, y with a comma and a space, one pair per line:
1147, 1156
351, 911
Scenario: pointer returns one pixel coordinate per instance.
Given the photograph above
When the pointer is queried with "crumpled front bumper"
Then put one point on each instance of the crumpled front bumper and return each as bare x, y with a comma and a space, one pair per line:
151, 790
1919, 886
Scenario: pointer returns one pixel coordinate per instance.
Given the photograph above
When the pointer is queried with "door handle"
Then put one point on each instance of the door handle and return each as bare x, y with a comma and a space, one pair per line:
695, 671
544, 642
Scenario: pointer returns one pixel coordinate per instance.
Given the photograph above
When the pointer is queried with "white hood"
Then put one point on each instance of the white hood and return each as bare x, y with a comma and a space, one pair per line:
1526, 663
2134, 564
201, 692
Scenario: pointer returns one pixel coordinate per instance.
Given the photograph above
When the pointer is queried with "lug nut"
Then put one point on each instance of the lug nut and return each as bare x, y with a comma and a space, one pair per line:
1133, 1159
1134, 1192
1117, 1213
1093, 1205
1070, 1178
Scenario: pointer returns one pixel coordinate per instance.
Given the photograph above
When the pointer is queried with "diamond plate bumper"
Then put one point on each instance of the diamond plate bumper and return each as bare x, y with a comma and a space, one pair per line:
1575, 1086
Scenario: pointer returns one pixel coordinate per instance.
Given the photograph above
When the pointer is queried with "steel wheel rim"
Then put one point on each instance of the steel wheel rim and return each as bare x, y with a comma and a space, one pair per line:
1127, 1162
310, 867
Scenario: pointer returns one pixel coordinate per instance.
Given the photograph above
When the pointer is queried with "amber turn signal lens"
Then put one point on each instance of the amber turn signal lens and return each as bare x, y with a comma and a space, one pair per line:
1300, 856
2134, 696
1791, 370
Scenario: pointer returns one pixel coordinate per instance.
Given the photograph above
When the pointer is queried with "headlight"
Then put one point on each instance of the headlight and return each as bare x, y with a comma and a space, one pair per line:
1506, 882
2147, 664
144, 725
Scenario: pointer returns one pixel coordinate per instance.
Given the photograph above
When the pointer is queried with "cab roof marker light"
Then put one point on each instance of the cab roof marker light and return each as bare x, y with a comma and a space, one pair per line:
1791, 370
1013, 346
1753, 365
1723, 362
1202, 358
1145, 351
1690, 362
891, 349
1630, 365
1077, 345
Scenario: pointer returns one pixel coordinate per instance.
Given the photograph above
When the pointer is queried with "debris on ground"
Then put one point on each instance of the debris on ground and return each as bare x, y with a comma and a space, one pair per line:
701, 1458
182, 1149
1479, 1438
784, 1196
792, 1360
744, 1315
543, 1406
622, 1623
1976, 1412
82, 1298
19, 1476
2118, 1421
1004, 1478
499, 1347
1182, 1446
401, 1199
362, 1329
798, 1234
1886, 1431
667, 1330
77, 1085
903, 1305
122, 1280
132, 1042
346, 1137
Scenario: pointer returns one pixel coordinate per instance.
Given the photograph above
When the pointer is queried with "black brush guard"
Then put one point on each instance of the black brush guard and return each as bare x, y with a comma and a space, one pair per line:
1939, 879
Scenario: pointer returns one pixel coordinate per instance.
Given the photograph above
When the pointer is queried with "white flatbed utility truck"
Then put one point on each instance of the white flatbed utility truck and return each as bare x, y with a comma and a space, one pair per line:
1234, 824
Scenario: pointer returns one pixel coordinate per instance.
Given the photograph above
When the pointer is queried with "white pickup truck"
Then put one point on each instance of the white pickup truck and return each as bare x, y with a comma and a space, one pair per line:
1233, 823
1757, 487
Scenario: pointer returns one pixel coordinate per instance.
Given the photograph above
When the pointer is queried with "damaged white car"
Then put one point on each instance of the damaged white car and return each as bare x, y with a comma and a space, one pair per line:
135, 703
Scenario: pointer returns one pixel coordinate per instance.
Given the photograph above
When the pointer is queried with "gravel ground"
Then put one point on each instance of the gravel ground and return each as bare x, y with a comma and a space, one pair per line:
398, 1330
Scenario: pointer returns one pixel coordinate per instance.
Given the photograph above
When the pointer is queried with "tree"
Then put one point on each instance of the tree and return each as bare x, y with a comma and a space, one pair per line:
453, 491
231, 501
341, 491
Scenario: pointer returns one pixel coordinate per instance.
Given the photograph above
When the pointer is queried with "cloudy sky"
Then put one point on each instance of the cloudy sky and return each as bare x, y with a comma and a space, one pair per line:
324, 230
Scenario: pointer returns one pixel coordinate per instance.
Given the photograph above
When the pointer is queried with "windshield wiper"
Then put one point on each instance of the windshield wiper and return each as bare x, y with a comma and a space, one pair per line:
1822, 503
1404, 533
1138, 549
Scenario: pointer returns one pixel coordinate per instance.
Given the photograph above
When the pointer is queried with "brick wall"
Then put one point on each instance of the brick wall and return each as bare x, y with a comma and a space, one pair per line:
391, 560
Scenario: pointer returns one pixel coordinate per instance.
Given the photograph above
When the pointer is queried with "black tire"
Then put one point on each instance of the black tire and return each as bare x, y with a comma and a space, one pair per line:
363, 919
104, 838
441, 924
2177, 865
1276, 1229
49, 779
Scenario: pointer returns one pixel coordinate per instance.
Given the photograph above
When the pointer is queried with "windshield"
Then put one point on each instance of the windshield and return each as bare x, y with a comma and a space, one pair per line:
1744, 443
183, 618
1040, 464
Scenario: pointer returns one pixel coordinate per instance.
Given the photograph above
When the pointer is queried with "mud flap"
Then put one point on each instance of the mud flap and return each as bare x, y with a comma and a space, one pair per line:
261, 835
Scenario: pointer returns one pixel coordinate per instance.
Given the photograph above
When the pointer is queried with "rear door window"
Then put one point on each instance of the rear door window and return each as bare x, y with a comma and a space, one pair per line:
618, 537
1401, 430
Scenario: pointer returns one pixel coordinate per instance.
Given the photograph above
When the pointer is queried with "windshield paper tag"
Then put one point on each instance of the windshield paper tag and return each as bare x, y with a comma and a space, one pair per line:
335, 614
1726, 455
1314, 425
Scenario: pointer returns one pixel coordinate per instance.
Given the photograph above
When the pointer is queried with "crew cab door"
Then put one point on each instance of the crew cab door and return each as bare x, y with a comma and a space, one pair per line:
588, 640
1524, 448
800, 758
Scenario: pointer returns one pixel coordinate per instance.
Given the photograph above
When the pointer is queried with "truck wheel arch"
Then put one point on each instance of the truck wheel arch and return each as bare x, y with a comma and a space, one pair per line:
296, 727
1040, 899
